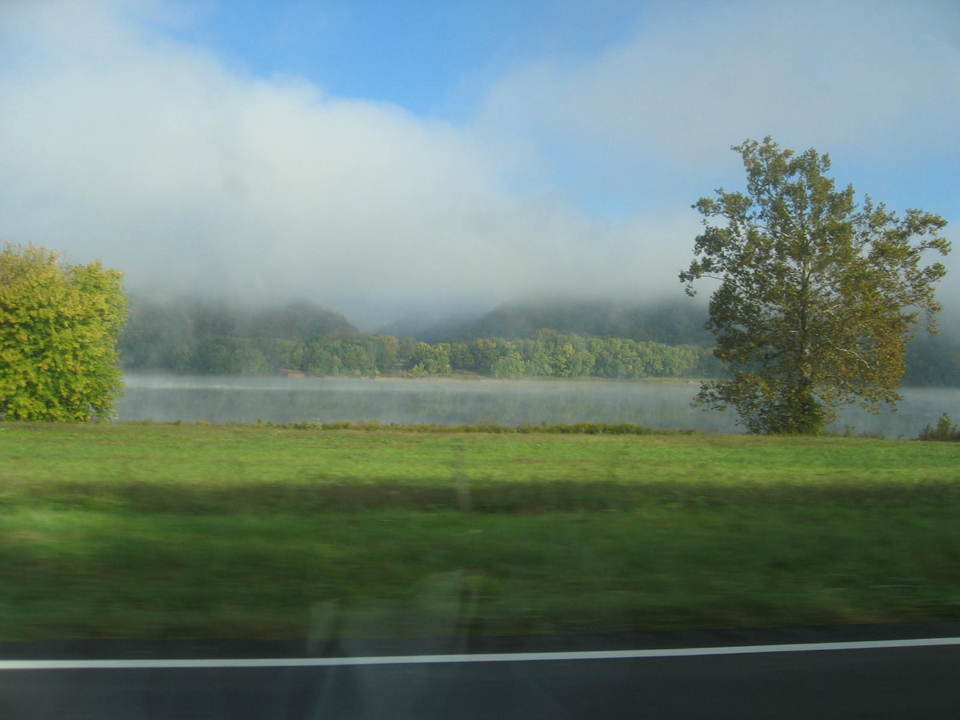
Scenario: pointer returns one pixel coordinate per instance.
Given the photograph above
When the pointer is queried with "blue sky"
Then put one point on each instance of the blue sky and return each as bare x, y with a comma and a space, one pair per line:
437, 60
432, 58
392, 157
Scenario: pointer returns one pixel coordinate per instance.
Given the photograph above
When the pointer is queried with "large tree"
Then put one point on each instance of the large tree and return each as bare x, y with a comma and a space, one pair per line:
818, 294
58, 334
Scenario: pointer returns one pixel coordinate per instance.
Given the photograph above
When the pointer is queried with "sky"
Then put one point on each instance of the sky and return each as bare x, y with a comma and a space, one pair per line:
408, 157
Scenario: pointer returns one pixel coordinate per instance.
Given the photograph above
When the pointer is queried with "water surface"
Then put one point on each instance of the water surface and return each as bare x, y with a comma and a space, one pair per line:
244, 399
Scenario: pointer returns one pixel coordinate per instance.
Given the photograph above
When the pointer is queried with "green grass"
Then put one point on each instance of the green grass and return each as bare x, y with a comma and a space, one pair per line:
243, 531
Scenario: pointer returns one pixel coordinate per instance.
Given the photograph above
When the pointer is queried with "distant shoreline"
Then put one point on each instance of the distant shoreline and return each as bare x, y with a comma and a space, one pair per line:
459, 377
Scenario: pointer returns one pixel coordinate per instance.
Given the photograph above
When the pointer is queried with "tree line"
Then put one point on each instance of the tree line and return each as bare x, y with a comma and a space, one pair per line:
933, 361
547, 354
191, 336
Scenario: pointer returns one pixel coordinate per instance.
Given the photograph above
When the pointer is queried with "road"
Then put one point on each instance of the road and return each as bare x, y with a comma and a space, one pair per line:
862, 679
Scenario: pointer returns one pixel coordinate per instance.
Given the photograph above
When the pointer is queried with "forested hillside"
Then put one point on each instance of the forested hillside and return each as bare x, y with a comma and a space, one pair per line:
933, 361
566, 339
205, 336
671, 323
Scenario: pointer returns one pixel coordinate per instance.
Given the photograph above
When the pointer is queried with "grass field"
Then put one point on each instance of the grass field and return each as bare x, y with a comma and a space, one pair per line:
139, 530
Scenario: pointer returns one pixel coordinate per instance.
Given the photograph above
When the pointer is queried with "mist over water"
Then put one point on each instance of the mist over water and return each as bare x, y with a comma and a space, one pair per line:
247, 399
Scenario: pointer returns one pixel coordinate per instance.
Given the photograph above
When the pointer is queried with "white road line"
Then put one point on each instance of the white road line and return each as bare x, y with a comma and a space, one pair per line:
466, 658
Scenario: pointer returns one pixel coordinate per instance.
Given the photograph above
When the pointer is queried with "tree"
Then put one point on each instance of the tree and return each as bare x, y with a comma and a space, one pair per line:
58, 333
429, 360
817, 295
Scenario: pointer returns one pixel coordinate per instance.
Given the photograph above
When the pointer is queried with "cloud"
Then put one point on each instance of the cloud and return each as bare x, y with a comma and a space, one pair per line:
123, 143
875, 84
696, 78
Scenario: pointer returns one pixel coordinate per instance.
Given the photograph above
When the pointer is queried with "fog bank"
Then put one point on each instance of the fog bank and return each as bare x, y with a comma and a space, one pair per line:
196, 175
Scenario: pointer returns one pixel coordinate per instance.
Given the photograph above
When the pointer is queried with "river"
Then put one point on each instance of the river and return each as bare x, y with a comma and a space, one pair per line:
244, 399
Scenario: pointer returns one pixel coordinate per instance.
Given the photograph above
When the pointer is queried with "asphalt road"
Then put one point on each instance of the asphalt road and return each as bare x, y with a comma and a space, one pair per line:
875, 682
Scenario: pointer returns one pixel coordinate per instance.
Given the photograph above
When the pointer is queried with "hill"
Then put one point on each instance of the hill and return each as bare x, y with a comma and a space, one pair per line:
668, 322
187, 334
562, 337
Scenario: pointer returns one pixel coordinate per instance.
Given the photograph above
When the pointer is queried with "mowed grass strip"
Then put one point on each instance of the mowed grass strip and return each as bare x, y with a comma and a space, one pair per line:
208, 531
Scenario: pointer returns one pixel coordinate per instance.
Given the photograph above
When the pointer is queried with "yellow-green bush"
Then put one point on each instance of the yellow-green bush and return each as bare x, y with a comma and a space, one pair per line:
58, 334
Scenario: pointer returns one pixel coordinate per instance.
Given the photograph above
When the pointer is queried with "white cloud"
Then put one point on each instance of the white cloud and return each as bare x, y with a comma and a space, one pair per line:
696, 78
121, 143
876, 84
125, 145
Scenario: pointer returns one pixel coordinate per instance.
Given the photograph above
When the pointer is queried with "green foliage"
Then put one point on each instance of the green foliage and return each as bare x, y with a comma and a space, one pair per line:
933, 361
945, 430
58, 332
429, 360
674, 323
619, 342
817, 296
201, 336
206, 339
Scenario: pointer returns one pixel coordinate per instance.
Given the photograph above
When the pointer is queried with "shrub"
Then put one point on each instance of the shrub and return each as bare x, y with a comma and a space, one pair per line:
944, 430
